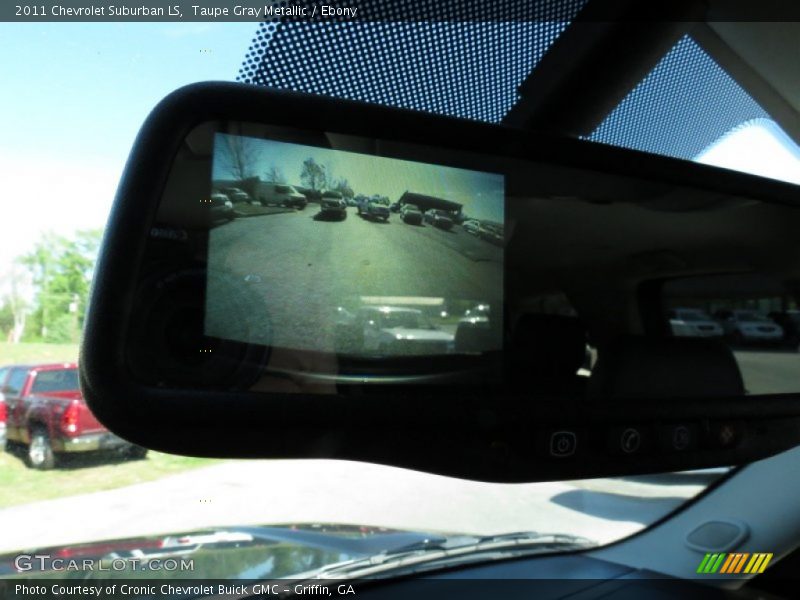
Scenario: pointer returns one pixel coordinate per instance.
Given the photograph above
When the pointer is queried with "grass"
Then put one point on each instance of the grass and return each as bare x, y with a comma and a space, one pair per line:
80, 474
84, 474
11, 354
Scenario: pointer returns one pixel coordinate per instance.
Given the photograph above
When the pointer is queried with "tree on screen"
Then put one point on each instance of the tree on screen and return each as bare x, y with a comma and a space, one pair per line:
239, 155
343, 187
313, 175
275, 175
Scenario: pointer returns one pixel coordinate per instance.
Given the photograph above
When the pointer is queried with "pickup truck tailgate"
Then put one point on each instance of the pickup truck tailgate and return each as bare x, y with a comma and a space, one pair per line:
82, 418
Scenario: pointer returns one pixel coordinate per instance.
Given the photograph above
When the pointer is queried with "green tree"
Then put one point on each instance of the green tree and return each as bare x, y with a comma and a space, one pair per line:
6, 321
313, 175
239, 156
343, 187
61, 269
275, 175
15, 309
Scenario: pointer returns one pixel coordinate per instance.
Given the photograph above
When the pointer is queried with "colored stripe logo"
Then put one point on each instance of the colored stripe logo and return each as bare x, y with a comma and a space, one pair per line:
734, 563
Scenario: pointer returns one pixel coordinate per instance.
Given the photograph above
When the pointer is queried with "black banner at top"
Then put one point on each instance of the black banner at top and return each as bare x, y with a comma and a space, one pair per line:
395, 10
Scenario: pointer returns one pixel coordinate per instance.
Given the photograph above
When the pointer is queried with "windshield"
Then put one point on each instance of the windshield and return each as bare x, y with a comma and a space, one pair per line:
56, 381
87, 88
688, 90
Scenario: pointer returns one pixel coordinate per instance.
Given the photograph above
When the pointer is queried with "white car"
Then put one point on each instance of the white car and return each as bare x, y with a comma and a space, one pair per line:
279, 194
235, 194
404, 331
694, 322
220, 207
471, 226
749, 326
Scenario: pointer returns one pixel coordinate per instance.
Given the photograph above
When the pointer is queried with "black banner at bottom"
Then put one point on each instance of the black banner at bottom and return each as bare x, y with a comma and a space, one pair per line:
414, 588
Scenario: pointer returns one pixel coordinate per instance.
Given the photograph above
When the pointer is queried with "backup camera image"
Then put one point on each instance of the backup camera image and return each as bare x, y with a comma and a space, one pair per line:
354, 254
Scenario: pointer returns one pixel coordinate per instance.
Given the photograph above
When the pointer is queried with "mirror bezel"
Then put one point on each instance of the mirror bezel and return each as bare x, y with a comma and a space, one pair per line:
494, 439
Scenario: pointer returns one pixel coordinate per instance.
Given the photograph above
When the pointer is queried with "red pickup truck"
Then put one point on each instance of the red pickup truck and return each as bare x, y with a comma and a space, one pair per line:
45, 412
3, 408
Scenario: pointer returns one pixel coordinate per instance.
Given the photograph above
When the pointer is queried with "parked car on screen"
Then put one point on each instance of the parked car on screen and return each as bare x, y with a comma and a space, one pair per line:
235, 194
220, 208
332, 205
310, 195
395, 330
439, 218
477, 312
46, 415
279, 194
491, 233
374, 209
475, 332
410, 214
789, 321
471, 226
693, 322
749, 326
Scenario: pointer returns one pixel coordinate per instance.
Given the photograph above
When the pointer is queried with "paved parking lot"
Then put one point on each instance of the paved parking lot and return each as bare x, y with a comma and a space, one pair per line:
769, 371
312, 266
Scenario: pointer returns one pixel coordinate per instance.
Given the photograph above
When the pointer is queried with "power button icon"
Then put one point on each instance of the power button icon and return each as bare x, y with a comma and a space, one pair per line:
563, 443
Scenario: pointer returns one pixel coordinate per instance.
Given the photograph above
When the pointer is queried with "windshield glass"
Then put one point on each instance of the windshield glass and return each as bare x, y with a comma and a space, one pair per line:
688, 90
87, 88
56, 381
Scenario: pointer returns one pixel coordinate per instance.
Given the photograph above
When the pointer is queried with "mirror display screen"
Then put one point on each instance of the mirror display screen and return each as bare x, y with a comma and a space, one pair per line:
334, 251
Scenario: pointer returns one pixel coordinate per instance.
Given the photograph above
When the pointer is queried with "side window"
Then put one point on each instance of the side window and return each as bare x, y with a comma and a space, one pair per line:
16, 380
757, 316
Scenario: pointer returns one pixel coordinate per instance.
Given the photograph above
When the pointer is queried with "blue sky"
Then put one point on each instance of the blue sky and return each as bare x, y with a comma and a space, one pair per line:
759, 147
74, 96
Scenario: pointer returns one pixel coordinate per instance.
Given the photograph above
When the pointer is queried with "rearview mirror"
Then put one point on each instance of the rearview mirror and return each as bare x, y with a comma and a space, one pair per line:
294, 276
